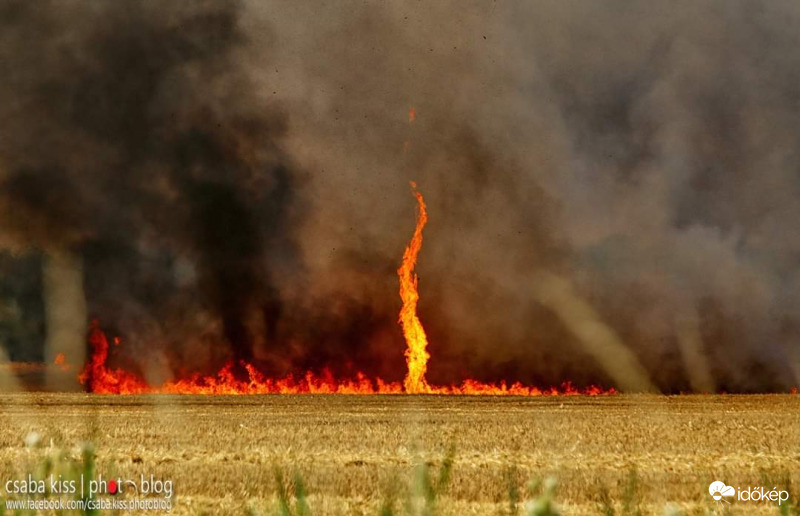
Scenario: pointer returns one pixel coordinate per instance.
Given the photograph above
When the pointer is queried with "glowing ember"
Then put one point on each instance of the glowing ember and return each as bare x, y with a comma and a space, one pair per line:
61, 361
416, 340
101, 379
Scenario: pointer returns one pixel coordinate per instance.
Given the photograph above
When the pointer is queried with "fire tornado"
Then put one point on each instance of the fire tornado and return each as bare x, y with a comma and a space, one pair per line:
417, 342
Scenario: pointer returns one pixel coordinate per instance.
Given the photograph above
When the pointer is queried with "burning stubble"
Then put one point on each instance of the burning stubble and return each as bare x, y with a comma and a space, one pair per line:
99, 377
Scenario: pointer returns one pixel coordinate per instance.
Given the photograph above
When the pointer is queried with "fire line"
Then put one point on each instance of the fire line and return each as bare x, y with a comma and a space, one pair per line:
99, 378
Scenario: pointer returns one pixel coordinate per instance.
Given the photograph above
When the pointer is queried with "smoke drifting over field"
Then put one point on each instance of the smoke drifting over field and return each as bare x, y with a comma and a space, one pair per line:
233, 179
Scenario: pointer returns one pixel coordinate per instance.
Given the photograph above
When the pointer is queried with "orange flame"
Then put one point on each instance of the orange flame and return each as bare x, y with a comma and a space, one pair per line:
101, 379
416, 353
61, 361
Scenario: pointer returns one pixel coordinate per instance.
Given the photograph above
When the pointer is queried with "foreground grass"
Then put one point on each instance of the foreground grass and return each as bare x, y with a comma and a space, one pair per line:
540, 500
364, 455
427, 486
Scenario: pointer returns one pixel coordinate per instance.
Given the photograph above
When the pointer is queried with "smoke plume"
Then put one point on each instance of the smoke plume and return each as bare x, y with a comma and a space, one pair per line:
233, 179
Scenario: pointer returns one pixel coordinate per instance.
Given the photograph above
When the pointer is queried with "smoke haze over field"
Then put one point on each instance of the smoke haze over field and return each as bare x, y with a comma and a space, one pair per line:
603, 179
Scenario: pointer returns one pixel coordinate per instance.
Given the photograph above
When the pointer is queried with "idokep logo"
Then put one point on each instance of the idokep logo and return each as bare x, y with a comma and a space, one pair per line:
719, 491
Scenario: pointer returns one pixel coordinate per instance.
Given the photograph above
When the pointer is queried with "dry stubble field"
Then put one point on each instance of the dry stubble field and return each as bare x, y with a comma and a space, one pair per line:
352, 451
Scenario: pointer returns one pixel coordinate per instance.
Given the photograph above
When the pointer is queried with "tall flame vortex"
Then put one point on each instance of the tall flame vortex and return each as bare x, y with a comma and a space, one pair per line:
416, 340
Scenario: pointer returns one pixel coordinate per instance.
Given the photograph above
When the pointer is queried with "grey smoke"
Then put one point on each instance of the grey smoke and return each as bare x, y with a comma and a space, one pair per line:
235, 179
65, 307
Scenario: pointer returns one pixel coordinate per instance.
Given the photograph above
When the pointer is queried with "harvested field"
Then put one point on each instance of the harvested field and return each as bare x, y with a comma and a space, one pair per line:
355, 452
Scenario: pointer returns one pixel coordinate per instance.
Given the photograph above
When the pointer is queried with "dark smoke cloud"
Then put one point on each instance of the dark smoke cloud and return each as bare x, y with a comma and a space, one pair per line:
153, 157
235, 179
